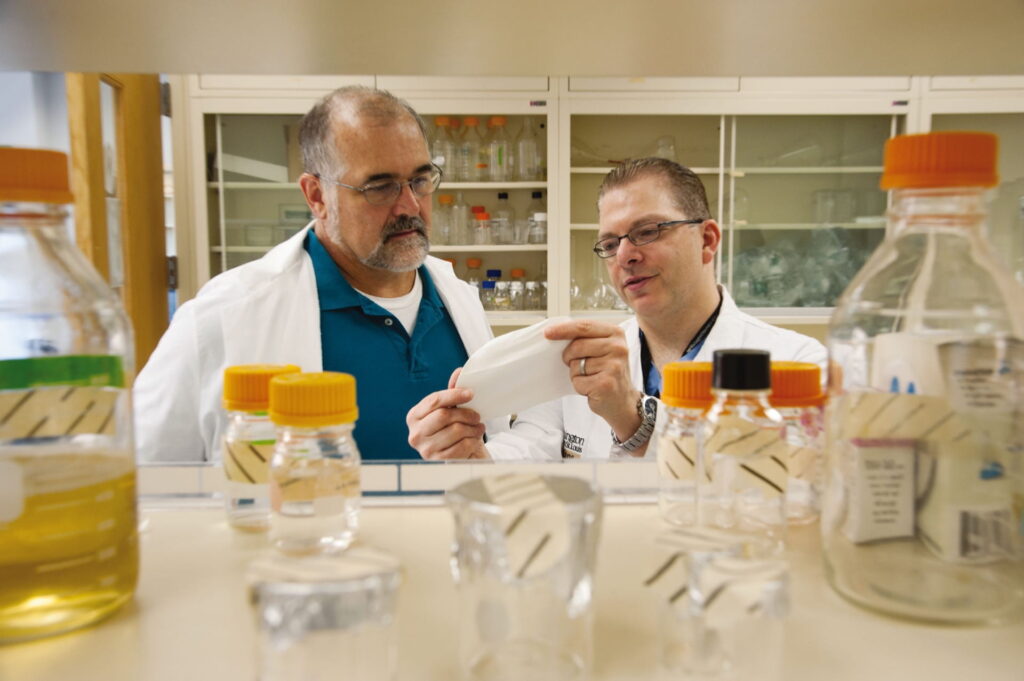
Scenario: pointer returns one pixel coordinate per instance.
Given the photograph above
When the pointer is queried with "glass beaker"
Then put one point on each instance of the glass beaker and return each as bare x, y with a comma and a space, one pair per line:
523, 561
326, 616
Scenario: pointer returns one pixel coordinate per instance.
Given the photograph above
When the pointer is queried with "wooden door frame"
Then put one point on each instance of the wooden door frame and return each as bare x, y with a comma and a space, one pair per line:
139, 186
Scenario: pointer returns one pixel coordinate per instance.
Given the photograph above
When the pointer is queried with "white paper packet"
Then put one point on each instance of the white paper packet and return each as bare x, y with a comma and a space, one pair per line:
515, 371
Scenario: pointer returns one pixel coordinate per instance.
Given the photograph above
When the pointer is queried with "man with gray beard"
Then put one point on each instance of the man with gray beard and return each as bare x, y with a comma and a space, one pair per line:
354, 292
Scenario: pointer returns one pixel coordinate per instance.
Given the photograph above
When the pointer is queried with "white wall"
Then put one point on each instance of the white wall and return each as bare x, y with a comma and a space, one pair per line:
34, 111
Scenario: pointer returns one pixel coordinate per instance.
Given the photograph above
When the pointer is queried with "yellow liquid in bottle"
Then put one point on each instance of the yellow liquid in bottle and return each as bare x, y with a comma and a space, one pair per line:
69, 551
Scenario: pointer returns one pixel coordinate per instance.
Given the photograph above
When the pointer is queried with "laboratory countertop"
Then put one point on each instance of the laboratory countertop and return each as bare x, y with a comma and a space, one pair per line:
190, 619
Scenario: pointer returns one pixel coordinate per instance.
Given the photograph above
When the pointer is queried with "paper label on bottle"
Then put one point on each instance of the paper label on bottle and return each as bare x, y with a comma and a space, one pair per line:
677, 458
760, 453
12, 491
248, 462
890, 416
880, 495
58, 411
534, 521
43, 397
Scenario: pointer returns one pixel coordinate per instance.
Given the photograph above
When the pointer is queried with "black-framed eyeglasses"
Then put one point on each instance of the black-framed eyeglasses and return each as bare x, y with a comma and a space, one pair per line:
384, 192
639, 235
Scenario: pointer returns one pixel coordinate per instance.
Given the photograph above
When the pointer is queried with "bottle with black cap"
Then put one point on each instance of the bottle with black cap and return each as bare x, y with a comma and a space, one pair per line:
743, 487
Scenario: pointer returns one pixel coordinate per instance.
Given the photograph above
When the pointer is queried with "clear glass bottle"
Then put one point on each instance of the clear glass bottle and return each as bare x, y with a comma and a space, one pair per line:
502, 296
314, 473
532, 296
487, 294
473, 273
503, 221
69, 552
460, 221
798, 396
498, 169
923, 499
442, 147
538, 231
249, 443
517, 295
743, 485
685, 397
470, 166
441, 220
528, 167
482, 228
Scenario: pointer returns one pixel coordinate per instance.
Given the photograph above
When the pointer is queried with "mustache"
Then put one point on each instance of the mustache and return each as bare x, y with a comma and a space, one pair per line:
404, 223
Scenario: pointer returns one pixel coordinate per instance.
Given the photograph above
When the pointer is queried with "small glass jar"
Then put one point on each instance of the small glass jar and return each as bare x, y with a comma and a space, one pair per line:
685, 396
537, 232
482, 229
743, 484
487, 294
502, 297
798, 396
532, 296
249, 444
314, 473
517, 295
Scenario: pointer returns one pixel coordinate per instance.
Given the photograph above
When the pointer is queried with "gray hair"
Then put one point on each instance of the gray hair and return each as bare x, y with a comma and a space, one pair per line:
316, 132
686, 188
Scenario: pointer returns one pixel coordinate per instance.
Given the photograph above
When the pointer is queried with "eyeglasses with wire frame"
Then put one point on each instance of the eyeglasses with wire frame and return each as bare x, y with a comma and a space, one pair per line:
639, 235
384, 192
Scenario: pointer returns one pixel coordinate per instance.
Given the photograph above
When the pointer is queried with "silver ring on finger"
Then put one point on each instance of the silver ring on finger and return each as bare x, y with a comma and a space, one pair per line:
583, 366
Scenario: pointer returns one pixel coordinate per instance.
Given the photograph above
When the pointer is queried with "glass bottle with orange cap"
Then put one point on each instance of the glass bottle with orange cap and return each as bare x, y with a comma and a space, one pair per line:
498, 150
922, 514
249, 443
686, 395
470, 166
442, 146
314, 473
797, 395
68, 530
742, 486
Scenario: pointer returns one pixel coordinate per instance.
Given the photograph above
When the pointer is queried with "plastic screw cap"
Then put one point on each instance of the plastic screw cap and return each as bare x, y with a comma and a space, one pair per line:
247, 386
313, 400
686, 384
34, 175
796, 384
741, 370
941, 159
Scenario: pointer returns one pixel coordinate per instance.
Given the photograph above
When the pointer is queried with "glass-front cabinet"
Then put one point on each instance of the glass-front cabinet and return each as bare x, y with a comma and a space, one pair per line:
795, 188
252, 193
492, 146
791, 167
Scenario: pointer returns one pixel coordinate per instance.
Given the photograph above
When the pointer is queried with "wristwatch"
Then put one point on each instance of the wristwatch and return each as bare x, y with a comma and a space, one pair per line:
647, 410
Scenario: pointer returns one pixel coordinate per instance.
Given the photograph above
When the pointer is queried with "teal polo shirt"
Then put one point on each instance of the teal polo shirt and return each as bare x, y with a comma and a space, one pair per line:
393, 371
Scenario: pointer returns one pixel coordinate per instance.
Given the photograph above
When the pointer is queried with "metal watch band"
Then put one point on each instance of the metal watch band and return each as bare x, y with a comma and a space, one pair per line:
643, 433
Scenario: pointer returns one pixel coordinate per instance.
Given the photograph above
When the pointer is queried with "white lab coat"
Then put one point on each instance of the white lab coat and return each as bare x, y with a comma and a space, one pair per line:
264, 312
567, 425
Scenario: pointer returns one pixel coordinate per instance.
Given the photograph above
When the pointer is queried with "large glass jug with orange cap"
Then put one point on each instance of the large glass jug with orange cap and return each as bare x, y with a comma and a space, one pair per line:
68, 537
922, 514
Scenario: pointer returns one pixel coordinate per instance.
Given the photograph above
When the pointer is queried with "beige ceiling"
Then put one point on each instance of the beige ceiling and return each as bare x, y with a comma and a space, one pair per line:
517, 37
